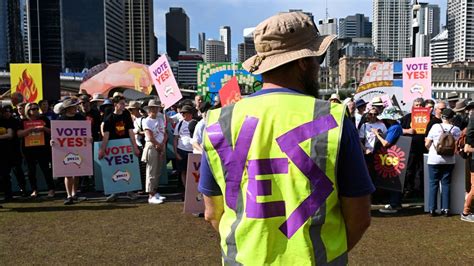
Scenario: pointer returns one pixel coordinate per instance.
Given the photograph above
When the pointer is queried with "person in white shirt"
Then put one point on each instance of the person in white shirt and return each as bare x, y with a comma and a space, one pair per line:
440, 167
154, 151
182, 142
196, 141
366, 134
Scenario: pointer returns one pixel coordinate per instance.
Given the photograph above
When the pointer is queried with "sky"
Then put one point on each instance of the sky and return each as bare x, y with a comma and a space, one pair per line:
209, 15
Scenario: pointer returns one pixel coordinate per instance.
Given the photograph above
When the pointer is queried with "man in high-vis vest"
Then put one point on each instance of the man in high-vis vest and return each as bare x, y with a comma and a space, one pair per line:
283, 174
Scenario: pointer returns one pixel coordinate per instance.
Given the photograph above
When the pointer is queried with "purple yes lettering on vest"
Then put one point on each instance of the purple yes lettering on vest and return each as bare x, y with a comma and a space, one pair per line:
234, 163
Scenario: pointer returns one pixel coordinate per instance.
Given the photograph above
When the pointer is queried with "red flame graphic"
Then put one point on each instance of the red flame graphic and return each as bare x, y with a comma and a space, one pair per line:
389, 163
27, 87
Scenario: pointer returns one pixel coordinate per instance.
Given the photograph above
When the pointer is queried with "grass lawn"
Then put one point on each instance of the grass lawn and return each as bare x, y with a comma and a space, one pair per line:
125, 232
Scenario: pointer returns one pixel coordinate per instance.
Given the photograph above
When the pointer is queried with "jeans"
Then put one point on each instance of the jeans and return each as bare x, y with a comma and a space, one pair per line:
439, 172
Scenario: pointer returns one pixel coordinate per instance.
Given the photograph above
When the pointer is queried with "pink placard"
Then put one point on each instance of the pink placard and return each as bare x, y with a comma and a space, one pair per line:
71, 148
164, 81
193, 201
416, 78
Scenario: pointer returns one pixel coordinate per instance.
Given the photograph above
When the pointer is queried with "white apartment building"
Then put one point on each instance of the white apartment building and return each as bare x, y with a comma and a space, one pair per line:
461, 30
214, 51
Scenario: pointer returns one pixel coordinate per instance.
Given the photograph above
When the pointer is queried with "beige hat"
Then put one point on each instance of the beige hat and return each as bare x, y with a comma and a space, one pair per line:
377, 101
335, 96
97, 97
133, 105
284, 38
154, 103
70, 103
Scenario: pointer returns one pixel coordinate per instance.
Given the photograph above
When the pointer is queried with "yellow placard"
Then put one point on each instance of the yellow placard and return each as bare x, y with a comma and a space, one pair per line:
27, 79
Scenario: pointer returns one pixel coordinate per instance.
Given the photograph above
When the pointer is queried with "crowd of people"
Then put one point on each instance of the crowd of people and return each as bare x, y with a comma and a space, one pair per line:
380, 125
157, 137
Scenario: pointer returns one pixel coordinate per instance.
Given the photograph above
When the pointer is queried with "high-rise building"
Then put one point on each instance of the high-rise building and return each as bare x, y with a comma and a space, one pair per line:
356, 26
43, 25
358, 49
93, 32
139, 34
187, 68
460, 30
3, 35
247, 48
214, 51
439, 48
391, 28
425, 22
202, 41
226, 37
177, 32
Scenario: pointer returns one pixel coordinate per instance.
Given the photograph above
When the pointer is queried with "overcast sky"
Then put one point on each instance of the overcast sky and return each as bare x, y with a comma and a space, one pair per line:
209, 15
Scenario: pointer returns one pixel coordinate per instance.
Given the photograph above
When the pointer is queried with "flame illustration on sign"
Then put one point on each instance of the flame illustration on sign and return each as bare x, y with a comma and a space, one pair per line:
27, 87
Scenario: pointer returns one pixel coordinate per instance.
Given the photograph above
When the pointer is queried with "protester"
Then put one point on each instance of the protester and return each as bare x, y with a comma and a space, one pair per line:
414, 174
198, 101
97, 100
118, 125
139, 130
6, 136
378, 104
368, 138
45, 110
92, 115
334, 98
182, 142
452, 99
461, 119
440, 167
390, 117
154, 151
244, 140
436, 118
467, 215
70, 113
196, 141
361, 107
40, 153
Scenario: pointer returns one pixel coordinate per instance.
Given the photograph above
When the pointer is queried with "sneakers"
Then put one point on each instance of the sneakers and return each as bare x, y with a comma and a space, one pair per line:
389, 209
111, 198
445, 212
69, 201
154, 200
158, 196
467, 218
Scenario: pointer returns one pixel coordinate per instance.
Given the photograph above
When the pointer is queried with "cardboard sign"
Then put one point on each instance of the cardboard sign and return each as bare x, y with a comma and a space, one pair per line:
34, 138
119, 167
72, 149
193, 201
420, 117
230, 93
27, 79
416, 78
391, 164
164, 81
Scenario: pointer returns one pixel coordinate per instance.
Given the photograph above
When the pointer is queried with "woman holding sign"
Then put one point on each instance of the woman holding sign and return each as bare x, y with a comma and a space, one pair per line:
36, 132
154, 151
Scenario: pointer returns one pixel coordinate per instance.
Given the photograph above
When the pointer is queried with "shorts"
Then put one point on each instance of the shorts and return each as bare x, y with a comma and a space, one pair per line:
182, 164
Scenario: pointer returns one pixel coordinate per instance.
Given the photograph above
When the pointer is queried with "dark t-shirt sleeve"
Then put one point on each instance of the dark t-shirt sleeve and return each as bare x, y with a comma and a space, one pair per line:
108, 123
353, 177
128, 121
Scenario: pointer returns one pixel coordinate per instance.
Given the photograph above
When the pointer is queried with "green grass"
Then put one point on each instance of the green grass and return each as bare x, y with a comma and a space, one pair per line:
137, 233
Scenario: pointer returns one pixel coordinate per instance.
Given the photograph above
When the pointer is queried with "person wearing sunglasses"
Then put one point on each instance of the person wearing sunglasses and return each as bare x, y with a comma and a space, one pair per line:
436, 118
39, 152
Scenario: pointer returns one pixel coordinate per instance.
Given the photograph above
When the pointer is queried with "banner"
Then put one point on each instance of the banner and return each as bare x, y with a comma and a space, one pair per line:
391, 164
34, 138
72, 148
165, 83
420, 117
119, 167
416, 78
27, 79
193, 201
230, 93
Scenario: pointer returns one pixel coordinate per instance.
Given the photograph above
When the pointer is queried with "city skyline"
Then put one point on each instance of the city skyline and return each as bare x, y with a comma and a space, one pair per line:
209, 15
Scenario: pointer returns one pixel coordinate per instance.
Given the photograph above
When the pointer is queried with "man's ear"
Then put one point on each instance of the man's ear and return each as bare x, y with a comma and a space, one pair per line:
303, 64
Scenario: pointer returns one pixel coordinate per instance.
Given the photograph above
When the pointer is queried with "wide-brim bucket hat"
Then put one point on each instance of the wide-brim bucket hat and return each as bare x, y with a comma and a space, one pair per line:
284, 38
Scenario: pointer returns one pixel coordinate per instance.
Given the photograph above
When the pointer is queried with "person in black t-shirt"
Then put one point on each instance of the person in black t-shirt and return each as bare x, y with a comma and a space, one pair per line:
6, 136
40, 153
92, 115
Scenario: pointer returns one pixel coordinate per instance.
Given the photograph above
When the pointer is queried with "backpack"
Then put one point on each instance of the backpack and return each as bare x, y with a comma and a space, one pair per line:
446, 143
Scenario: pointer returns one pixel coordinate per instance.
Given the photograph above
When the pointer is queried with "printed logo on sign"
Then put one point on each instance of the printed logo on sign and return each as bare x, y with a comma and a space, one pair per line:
417, 89
168, 91
121, 175
72, 158
390, 163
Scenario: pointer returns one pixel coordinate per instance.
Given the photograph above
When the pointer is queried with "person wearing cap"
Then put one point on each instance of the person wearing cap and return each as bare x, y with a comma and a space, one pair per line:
440, 167
6, 142
334, 98
154, 151
71, 113
361, 107
117, 125
452, 99
280, 166
461, 118
390, 117
37, 154
182, 141
414, 174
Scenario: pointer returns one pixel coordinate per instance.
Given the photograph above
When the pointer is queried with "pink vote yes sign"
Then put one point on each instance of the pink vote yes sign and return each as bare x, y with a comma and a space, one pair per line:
164, 81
